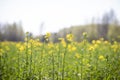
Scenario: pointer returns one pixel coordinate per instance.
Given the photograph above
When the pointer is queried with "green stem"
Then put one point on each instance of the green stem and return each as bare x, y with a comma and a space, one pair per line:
26, 52
77, 77
82, 67
53, 65
31, 61
1, 63
58, 63
41, 63
64, 57
90, 62
18, 66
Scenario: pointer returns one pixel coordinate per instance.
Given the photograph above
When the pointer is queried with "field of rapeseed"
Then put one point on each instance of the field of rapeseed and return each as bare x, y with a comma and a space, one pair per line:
67, 60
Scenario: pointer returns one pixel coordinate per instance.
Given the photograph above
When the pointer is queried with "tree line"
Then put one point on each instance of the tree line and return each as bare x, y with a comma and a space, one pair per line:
11, 32
107, 27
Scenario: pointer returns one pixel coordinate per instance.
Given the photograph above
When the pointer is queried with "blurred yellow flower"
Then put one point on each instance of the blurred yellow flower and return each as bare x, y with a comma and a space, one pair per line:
91, 48
37, 44
63, 42
21, 48
71, 47
47, 35
98, 41
84, 33
93, 41
26, 39
106, 42
101, 57
50, 45
77, 55
31, 41
101, 39
69, 37
115, 47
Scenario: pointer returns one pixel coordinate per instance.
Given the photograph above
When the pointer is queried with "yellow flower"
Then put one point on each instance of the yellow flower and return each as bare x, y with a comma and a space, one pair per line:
26, 39
115, 47
71, 48
18, 45
84, 33
106, 42
69, 37
31, 41
47, 35
50, 45
63, 42
21, 48
101, 57
95, 45
77, 55
101, 39
91, 48
98, 41
93, 41
37, 44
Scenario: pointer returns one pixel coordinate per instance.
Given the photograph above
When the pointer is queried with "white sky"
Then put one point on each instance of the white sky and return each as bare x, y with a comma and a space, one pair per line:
56, 14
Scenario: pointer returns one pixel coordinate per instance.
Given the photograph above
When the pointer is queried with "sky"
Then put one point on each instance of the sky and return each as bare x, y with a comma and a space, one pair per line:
54, 15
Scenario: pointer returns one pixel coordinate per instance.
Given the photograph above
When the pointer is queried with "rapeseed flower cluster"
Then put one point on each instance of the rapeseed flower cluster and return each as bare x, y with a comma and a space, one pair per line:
47, 36
50, 45
20, 47
115, 47
62, 40
69, 37
77, 55
91, 48
101, 57
84, 34
71, 48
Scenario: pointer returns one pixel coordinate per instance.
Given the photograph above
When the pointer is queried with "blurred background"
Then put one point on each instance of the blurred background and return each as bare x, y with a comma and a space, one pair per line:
99, 18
